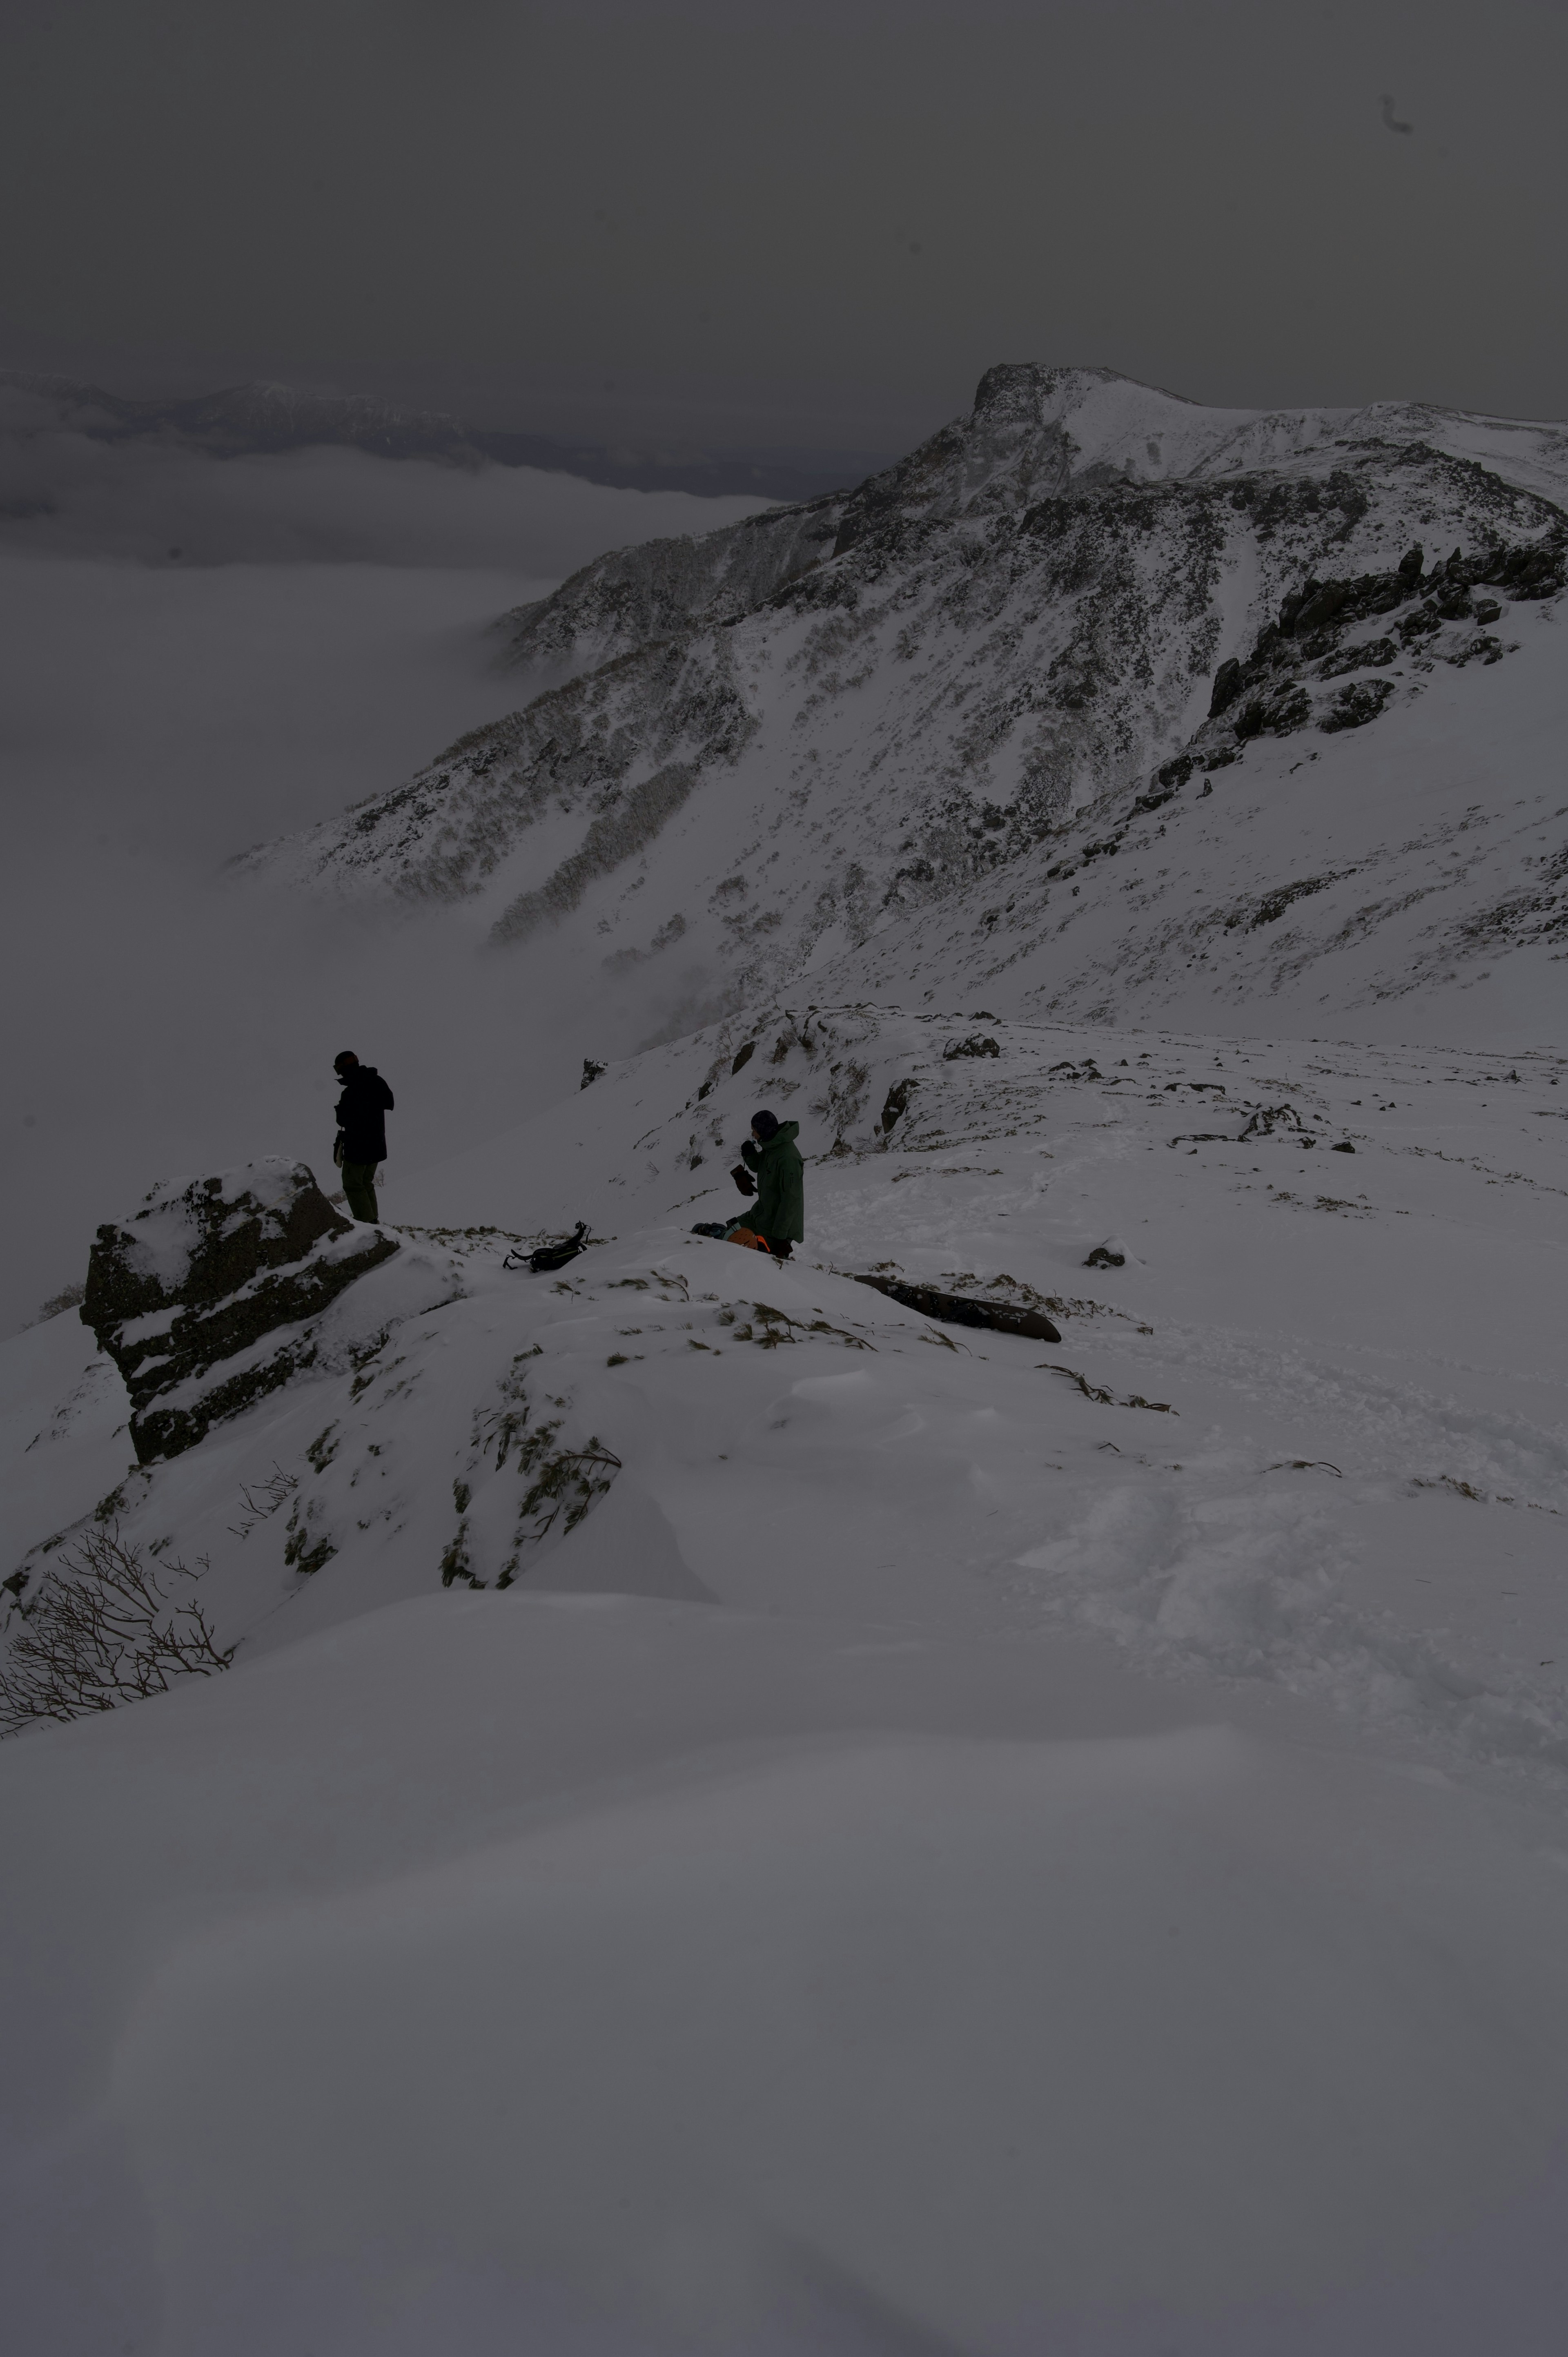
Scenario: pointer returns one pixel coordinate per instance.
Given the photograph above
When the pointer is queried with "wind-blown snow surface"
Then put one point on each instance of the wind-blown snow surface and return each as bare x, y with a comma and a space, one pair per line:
944, 1855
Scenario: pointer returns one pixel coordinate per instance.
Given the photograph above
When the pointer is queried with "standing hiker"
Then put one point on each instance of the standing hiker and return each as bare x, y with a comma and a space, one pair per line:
775, 1161
361, 1141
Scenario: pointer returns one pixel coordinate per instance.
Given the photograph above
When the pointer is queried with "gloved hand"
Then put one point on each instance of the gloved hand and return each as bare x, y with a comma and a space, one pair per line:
743, 1179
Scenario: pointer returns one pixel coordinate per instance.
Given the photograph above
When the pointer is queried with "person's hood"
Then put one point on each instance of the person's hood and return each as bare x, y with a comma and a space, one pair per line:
786, 1134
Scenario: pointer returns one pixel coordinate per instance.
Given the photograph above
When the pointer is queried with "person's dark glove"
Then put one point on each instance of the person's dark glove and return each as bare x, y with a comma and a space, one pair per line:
743, 1179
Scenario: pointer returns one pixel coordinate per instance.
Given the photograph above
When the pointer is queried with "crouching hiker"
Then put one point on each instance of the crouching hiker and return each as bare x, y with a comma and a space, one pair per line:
361, 1140
771, 1156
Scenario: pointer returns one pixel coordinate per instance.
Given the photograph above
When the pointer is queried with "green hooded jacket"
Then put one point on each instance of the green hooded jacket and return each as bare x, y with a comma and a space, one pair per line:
780, 1207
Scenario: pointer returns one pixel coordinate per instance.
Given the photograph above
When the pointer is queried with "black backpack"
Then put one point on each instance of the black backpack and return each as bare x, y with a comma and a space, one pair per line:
549, 1257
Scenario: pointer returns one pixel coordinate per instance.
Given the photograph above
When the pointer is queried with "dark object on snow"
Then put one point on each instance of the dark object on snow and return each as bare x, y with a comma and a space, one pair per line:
961, 1310
201, 1274
780, 1213
897, 1103
974, 1046
549, 1257
362, 1110
1106, 1255
591, 1072
1269, 1119
1104, 1398
742, 1177
715, 1228
1204, 1137
1344, 1146
743, 1056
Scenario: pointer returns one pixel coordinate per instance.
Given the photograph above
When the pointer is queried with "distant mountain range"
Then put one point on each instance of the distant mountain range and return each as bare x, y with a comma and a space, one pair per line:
245, 420
1099, 703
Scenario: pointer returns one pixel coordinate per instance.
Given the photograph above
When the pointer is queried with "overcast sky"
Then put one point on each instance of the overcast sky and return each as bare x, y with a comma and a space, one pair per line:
780, 221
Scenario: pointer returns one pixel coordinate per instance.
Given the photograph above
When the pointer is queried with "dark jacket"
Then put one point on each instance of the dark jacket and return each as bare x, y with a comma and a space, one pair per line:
361, 1114
780, 1208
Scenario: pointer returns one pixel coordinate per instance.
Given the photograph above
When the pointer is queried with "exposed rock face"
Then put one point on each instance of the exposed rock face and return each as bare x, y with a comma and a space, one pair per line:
187, 1294
1307, 640
665, 589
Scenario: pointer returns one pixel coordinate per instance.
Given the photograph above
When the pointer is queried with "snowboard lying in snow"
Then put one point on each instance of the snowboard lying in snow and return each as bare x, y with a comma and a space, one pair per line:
963, 1309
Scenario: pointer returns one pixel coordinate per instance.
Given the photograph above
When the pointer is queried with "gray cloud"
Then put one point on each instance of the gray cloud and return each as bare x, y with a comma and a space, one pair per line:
795, 221
156, 717
62, 493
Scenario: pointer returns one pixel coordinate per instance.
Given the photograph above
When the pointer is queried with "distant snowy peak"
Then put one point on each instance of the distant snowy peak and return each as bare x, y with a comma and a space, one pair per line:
1033, 431
888, 715
1036, 434
239, 419
262, 420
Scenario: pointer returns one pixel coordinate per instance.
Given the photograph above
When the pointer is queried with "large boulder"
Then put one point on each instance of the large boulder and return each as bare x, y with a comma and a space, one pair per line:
187, 1295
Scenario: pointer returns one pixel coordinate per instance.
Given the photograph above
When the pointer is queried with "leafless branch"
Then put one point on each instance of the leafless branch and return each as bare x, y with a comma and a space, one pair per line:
102, 1629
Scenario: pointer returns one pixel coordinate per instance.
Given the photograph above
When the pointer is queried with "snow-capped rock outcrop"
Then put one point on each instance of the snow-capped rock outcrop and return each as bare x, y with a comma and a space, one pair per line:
203, 1299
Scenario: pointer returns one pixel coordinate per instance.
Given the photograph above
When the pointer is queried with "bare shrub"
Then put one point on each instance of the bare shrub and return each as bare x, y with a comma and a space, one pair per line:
68, 1298
263, 1498
102, 1629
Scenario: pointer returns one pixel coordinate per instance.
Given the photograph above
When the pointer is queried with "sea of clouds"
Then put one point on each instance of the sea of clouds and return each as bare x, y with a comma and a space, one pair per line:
321, 634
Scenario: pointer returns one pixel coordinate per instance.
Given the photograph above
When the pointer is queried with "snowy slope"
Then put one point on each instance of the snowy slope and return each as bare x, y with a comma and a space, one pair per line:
1388, 1313
863, 738
743, 1817
965, 1843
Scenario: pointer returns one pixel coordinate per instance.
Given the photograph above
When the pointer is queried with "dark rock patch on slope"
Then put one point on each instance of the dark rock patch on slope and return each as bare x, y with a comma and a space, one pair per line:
186, 1294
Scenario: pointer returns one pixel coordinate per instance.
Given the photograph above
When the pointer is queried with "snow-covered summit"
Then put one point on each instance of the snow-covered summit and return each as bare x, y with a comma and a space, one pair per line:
862, 737
1093, 420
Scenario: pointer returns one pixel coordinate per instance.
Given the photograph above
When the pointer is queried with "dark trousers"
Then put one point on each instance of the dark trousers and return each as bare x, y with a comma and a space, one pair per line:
359, 1188
781, 1247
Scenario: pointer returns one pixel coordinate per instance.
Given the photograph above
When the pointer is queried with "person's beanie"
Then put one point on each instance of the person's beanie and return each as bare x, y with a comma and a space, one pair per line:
765, 1125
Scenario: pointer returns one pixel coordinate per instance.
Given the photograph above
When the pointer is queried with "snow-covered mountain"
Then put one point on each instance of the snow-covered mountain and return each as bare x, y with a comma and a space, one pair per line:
683, 1803
1094, 690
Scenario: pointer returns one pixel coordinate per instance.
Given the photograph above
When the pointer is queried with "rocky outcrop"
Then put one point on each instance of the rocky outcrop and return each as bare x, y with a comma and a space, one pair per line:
201, 1297
666, 588
1308, 636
